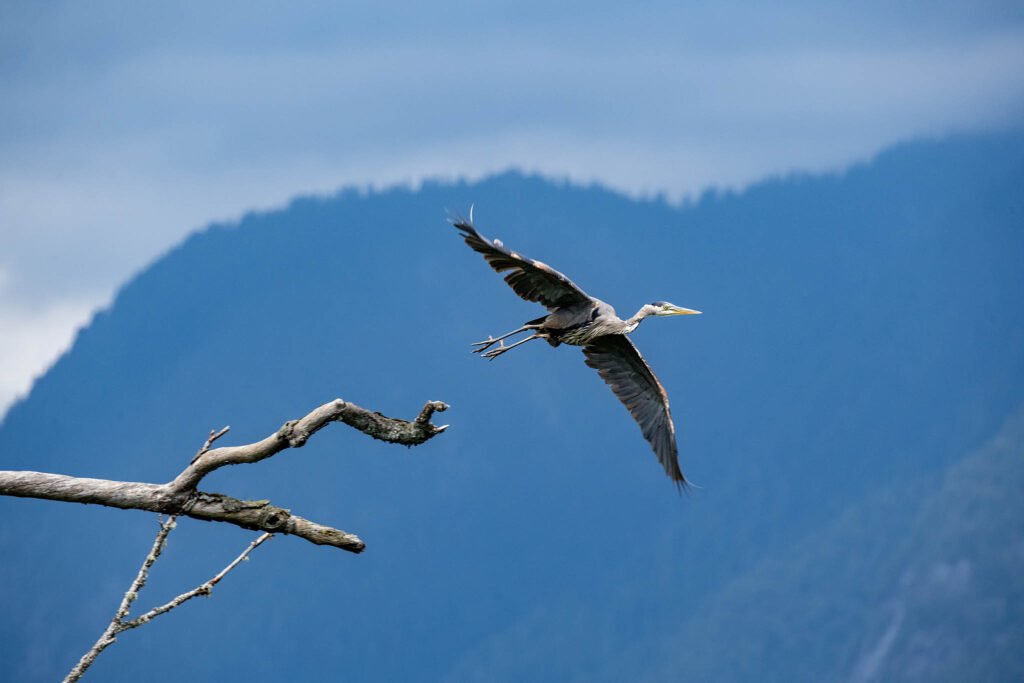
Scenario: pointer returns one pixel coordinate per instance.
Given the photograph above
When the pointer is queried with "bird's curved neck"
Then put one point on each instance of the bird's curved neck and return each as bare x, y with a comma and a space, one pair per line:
634, 322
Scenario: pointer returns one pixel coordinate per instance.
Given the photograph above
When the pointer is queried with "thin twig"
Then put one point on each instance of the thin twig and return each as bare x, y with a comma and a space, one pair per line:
204, 589
209, 442
118, 624
110, 634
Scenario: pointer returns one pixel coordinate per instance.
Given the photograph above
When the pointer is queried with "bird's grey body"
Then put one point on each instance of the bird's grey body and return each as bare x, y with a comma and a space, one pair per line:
581, 324
578, 319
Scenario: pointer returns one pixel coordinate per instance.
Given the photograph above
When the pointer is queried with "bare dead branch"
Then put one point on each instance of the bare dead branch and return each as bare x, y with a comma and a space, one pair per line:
295, 433
180, 496
109, 635
118, 624
166, 527
209, 441
204, 589
258, 515
428, 411
117, 494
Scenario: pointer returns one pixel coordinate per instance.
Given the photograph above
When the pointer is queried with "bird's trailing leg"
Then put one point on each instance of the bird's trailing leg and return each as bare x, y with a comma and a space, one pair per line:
489, 342
494, 353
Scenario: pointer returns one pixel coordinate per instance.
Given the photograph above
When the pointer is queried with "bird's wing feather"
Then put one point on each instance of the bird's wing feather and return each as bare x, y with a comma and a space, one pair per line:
532, 280
622, 367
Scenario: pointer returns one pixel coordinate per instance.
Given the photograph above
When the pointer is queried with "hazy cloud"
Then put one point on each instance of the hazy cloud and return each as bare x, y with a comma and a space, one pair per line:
125, 126
34, 337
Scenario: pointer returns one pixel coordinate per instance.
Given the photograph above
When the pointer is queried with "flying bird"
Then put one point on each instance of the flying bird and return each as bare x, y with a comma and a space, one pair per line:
578, 319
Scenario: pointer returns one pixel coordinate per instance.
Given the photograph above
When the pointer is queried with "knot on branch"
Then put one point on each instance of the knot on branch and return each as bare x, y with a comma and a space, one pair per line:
292, 434
273, 518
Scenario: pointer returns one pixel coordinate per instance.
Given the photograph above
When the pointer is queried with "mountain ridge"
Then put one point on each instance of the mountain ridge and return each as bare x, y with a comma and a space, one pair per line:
858, 328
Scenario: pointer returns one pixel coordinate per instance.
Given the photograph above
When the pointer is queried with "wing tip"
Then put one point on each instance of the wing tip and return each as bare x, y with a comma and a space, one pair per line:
461, 222
683, 485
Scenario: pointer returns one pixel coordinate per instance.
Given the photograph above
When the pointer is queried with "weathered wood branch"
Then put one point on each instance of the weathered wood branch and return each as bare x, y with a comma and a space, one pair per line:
203, 589
181, 497
295, 433
118, 624
114, 627
258, 515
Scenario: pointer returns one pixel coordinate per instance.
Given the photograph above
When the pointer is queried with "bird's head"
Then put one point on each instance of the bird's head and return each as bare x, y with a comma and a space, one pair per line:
664, 308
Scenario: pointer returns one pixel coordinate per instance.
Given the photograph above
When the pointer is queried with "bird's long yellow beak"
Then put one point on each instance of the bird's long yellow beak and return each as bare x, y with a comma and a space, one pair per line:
684, 311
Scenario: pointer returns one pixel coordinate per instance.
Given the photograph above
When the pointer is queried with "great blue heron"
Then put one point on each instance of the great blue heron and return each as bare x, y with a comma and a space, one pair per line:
581, 320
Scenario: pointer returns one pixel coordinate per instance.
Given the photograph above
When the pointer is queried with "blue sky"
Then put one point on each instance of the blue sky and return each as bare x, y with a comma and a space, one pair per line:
125, 126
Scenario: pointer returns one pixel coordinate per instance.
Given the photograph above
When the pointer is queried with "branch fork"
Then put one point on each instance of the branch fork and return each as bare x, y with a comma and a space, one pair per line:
119, 624
181, 496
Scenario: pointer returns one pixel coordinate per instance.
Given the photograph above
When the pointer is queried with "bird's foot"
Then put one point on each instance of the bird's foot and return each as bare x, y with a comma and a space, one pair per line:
484, 345
494, 353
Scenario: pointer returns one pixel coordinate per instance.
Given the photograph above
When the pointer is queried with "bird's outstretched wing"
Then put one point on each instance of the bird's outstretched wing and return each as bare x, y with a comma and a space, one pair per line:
532, 280
622, 367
